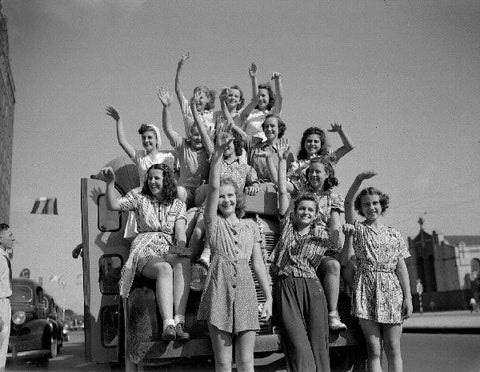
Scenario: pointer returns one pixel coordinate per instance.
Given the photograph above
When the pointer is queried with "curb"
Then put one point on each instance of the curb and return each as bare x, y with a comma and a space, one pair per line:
444, 330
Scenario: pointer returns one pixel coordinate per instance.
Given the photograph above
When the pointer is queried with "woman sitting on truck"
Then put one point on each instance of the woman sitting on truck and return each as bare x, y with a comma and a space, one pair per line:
229, 300
158, 251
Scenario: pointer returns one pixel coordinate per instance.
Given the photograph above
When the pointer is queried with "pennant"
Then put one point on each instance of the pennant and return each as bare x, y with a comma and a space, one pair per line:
44, 205
56, 278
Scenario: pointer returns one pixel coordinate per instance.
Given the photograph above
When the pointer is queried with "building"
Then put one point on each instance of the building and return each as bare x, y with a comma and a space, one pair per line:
447, 266
7, 103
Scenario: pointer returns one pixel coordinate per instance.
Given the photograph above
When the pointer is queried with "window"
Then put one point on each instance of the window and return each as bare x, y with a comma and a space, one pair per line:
107, 220
109, 326
21, 293
110, 267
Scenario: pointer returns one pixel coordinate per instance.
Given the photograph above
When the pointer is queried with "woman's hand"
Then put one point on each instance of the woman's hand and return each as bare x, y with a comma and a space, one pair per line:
165, 96
283, 148
252, 190
348, 229
276, 75
108, 174
407, 308
252, 71
184, 58
112, 112
335, 127
266, 310
366, 175
223, 140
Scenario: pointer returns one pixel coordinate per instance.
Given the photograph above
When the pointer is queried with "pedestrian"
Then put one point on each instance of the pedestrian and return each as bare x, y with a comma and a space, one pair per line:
299, 296
158, 251
6, 244
229, 300
381, 291
473, 305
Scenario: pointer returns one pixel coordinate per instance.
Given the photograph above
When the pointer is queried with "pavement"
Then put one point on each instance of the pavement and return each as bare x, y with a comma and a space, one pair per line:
464, 322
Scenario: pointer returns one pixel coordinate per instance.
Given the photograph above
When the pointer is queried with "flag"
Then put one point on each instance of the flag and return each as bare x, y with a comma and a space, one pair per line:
44, 205
56, 278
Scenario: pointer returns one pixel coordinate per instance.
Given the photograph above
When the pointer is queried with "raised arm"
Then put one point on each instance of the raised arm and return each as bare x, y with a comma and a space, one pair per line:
178, 81
277, 78
111, 201
252, 71
198, 121
166, 98
223, 140
347, 143
228, 117
122, 139
283, 151
349, 199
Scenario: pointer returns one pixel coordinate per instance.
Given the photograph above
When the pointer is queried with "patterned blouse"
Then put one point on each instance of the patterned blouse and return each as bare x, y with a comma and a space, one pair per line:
298, 255
243, 174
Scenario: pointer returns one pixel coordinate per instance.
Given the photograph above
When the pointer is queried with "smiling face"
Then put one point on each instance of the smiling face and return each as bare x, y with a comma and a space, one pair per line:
305, 212
317, 175
312, 145
263, 99
202, 100
270, 128
195, 138
149, 140
371, 207
155, 182
227, 200
233, 98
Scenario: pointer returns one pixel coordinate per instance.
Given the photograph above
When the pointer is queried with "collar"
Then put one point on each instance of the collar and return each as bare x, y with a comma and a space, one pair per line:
236, 160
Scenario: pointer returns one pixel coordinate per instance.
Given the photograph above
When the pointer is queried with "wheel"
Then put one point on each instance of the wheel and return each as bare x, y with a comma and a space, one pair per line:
53, 347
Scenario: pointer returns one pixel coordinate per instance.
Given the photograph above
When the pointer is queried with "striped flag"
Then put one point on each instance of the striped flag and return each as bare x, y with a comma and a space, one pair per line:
44, 205
56, 278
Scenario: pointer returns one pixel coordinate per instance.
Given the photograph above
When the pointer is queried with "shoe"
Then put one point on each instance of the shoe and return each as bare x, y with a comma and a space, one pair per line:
335, 324
169, 333
181, 334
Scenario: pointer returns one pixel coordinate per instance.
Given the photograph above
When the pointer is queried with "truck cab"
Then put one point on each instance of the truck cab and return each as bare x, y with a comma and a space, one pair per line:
128, 330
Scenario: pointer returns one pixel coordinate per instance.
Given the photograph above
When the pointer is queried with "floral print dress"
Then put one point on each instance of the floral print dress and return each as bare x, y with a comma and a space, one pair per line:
377, 293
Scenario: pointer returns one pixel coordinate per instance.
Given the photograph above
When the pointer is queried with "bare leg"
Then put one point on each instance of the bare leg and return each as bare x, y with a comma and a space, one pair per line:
181, 283
330, 269
222, 349
372, 333
244, 346
163, 274
391, 341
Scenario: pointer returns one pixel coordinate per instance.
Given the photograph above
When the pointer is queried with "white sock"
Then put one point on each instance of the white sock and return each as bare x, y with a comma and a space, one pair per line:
179, 319
168, 322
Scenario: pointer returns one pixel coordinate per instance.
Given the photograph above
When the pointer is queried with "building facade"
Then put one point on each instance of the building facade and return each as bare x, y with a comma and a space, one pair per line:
7, 103
447, 266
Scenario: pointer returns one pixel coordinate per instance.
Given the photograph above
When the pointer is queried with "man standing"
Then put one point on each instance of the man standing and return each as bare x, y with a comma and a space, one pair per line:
6, 244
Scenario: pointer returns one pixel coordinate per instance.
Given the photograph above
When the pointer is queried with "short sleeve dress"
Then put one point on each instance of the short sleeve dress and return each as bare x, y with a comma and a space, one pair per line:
229, 300
377, 293
156, 226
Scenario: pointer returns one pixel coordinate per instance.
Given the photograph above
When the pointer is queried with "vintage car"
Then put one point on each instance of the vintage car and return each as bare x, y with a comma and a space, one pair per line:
53, 314
32, 335
128, 331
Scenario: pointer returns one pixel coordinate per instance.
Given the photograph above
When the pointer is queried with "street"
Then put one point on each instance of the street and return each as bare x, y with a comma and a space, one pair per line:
421, 353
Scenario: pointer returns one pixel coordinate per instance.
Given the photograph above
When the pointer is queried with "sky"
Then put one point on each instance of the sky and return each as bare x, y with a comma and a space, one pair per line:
402, 77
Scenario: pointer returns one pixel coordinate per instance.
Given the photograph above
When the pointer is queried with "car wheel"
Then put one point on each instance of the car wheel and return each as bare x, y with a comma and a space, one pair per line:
53, 347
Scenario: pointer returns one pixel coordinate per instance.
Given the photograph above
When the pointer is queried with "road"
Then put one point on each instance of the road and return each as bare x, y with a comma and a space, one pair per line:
421, 353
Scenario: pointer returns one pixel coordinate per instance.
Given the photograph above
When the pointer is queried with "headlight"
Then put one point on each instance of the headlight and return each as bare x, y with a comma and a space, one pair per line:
19, 317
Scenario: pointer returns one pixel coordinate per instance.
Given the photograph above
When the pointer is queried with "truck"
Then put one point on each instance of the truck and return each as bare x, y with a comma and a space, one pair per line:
127, 331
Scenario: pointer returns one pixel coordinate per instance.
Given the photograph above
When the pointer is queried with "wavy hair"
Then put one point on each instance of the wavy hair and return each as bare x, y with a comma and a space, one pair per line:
271, 95
331, 181
384, 199
240, 205
210, 93
282, 127
305, 196
302, 153
169, 187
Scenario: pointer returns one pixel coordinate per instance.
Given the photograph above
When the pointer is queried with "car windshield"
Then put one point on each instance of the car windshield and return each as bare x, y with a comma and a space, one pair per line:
21, 293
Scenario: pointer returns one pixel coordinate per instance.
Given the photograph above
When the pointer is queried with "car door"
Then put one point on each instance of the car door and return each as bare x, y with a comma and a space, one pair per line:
104, 252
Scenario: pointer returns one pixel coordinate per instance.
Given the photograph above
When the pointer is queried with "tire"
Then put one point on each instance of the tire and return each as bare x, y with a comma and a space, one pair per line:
51, 344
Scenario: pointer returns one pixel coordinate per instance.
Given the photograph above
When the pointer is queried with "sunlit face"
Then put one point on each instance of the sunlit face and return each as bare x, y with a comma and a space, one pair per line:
317, 175
155, 182
149, 140
371, 207
229, 151
313, 144
305, 212
202, 100
7, 239
263, 98
227, 200
195, 138
233, 98
270, 128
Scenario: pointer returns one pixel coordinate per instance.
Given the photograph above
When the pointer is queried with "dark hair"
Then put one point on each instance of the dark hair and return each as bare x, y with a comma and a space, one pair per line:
282, 127
331, 180
146, 128
384, 199
240, 206
210, 93
302, 153
305, 196
4, 227
271, 95
169, 184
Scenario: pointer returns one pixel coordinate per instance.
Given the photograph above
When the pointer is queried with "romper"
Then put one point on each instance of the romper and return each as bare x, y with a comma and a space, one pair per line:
229, 300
